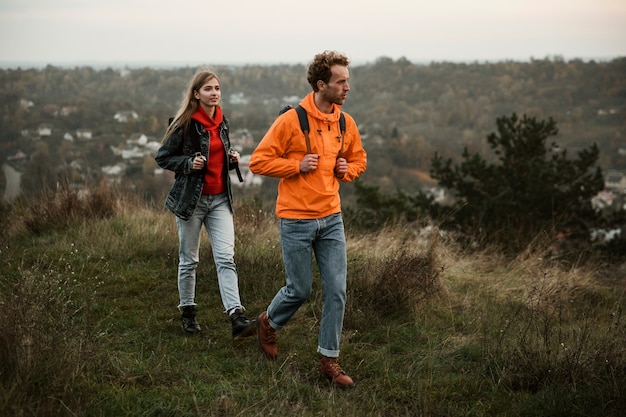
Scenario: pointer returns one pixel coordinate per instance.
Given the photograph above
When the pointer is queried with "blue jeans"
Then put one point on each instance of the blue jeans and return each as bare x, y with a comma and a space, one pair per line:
299, 239
214, 212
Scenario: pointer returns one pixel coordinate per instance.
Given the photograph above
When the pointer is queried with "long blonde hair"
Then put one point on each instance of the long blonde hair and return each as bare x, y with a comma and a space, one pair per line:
189, 103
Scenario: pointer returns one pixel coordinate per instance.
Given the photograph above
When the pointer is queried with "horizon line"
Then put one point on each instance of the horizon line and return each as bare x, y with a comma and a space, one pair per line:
117, 63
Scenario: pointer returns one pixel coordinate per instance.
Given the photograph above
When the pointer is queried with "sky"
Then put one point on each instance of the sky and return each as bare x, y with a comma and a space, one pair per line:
192, 32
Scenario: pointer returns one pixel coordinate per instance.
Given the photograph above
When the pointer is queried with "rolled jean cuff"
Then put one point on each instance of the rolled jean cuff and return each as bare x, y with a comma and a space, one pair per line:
328, 353
272, 324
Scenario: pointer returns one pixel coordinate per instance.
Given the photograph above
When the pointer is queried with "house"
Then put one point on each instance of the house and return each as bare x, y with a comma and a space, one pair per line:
18, 156
26, 104
249, 179
238, 99
241, 138
137, 147
67, 110
113, 173
137, 139
152, 147
44, 130
126, 116
18, 161
615, 181
290, 100
84, 134
133, 153
51, 109
26, 133
113, 170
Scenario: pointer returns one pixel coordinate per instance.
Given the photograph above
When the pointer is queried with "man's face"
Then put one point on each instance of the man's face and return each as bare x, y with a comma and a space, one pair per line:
336, 90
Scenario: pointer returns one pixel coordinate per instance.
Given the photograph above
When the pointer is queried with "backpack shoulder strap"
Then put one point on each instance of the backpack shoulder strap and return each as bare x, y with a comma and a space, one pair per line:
303, 118
304, 125
342, 128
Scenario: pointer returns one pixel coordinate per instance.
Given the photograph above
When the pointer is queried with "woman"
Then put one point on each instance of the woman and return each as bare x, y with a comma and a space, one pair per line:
196, 146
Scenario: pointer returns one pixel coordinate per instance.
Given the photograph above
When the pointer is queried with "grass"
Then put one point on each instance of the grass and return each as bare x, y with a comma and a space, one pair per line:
89, 325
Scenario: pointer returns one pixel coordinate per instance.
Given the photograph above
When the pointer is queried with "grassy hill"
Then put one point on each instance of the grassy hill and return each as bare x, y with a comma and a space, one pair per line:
89, 325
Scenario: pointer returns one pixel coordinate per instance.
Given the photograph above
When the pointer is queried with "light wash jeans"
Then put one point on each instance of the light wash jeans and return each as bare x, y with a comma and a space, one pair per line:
299, 239
214, 212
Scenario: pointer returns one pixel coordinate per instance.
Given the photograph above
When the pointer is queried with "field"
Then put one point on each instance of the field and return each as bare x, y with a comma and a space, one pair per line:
89, 325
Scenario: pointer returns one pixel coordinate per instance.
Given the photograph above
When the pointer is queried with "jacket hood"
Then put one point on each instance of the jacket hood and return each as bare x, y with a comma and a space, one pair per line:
201, 116
308, 103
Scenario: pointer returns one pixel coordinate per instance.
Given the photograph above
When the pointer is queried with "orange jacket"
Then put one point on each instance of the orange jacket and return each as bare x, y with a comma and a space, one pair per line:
313, 194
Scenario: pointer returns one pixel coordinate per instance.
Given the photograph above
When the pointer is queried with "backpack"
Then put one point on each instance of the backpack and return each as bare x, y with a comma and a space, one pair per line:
304, 125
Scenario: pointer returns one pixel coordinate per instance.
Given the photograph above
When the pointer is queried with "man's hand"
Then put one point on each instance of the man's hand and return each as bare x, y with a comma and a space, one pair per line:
309, 163
341, 167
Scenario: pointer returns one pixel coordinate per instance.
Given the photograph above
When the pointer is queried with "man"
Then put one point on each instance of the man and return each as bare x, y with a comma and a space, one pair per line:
308, 206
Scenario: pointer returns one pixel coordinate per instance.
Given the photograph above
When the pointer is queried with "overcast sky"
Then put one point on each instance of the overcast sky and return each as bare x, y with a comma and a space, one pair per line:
190, 32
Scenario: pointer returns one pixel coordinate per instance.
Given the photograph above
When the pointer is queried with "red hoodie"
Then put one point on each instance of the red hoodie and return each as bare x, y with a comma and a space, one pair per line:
213, 179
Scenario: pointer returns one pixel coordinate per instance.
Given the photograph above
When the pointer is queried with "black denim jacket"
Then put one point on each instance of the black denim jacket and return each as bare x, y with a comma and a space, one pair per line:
177, 154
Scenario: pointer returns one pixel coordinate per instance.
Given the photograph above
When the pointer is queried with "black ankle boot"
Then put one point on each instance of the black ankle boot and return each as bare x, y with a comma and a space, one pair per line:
242, 327
189, 323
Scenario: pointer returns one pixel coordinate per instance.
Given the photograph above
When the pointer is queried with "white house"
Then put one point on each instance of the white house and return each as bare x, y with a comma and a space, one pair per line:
616, 181
84, 134
126, 116
137, 139
44, 130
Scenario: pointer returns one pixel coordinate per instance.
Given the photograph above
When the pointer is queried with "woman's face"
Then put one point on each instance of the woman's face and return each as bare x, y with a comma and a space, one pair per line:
209, 94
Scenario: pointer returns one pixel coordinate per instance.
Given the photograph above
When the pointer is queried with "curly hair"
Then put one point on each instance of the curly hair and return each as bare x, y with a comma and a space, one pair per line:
319, 68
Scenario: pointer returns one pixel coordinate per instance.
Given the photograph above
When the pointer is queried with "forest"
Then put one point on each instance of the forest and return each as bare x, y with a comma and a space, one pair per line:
406, 113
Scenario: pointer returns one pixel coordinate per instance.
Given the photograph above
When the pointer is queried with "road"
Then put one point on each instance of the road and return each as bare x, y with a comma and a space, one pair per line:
13, 177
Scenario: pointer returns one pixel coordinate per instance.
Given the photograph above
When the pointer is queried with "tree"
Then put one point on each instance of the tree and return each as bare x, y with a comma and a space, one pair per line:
377, 210
40, 176
530, 188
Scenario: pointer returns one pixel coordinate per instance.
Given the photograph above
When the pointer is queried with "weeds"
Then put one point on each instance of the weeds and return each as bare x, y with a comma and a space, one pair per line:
44, 340
393, 278
59, 209
88, 325
551, 336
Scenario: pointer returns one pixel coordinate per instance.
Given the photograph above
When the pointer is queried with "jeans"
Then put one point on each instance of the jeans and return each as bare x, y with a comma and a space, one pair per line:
299, 239
214, 212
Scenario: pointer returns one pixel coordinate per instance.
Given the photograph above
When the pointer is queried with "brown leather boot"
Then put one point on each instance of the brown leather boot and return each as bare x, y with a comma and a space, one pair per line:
331, 370
266, 336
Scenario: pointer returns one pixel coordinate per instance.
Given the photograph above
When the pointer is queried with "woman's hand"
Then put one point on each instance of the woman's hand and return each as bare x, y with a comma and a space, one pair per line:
199, 162
233, 156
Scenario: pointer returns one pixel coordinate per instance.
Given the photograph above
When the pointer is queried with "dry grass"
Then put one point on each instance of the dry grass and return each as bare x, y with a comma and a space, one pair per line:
88, 324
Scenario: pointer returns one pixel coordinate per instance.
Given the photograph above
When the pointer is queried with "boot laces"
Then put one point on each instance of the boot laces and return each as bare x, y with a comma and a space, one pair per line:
270, 336
334, 367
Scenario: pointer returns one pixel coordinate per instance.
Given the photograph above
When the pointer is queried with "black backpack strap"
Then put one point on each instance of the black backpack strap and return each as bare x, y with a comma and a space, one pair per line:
304, 122
342, 129
237, 170
303, 118
304, 125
